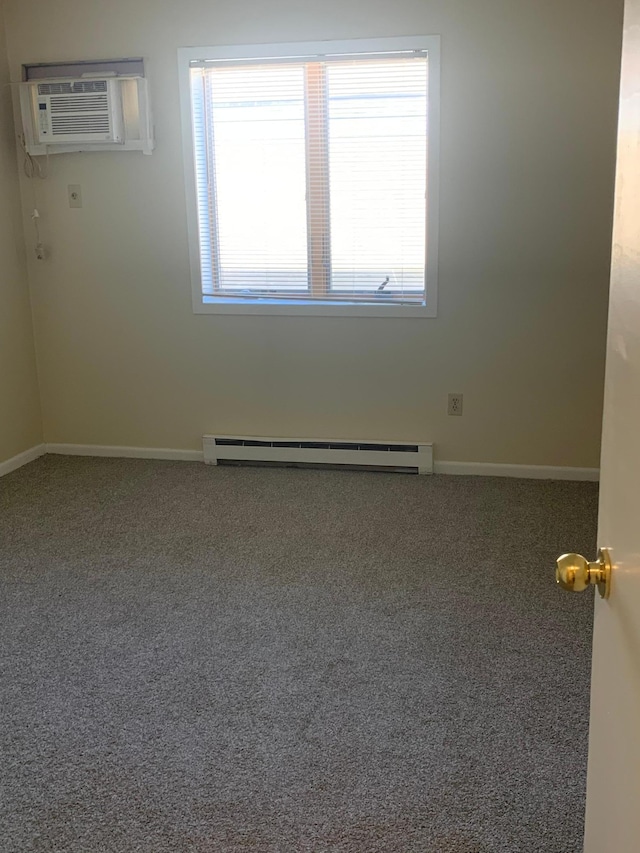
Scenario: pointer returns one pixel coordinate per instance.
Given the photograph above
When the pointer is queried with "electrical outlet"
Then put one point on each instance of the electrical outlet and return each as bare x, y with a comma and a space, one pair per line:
75, 195
455, 404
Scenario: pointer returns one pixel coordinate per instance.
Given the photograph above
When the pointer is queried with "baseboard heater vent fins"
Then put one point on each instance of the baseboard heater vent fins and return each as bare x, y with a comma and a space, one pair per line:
405, 456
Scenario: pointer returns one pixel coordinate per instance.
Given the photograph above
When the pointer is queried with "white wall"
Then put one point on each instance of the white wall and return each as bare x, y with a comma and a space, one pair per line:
20, 421
529, 100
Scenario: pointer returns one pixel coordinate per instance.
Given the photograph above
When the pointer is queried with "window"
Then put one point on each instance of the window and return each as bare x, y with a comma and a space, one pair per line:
312, 177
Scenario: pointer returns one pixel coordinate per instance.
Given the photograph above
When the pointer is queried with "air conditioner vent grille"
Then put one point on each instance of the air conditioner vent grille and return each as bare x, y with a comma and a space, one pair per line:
72, 87
74, 104
68, 124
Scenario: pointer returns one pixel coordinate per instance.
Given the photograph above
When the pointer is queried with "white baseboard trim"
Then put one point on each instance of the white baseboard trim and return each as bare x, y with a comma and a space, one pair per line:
480, 469
125, 452
532, 472
21, 459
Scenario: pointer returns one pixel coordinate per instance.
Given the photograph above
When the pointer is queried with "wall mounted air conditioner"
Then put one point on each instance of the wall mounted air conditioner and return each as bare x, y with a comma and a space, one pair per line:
90, 113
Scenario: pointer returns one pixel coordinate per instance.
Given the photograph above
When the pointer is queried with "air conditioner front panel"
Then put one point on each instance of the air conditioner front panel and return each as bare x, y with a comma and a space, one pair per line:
77, 111
62, 115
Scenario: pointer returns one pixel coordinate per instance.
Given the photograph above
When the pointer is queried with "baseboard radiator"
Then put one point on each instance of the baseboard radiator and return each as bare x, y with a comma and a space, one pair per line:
402, 456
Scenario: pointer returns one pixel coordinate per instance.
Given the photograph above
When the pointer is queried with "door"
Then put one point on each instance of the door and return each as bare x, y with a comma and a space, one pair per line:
613, 782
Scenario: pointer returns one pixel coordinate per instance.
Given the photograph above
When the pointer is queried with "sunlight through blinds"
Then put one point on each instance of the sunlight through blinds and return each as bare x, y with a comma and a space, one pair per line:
311, 178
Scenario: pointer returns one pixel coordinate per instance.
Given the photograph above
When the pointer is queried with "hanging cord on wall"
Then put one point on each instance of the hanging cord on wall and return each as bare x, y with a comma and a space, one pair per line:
35, 216
33, 165
33, 168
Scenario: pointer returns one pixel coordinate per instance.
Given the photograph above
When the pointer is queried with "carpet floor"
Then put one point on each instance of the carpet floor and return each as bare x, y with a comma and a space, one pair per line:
205, 660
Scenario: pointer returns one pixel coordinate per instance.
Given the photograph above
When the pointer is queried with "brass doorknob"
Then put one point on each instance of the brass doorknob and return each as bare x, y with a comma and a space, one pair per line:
575, 573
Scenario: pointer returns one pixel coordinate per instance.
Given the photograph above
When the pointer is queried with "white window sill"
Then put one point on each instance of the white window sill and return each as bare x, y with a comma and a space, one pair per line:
293, 308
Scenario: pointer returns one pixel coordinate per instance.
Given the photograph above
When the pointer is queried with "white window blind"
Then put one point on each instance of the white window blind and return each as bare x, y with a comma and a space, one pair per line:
311, 177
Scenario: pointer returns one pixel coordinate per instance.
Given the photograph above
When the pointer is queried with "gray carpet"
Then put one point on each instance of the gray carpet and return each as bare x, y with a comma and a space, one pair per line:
200, 659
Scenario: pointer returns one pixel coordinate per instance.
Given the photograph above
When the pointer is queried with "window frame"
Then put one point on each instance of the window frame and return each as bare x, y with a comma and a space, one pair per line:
204, 304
